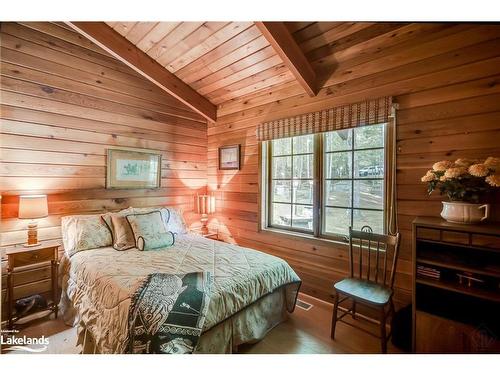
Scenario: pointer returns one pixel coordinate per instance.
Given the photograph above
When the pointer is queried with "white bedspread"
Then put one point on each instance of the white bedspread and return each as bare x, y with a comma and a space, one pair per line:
98, 284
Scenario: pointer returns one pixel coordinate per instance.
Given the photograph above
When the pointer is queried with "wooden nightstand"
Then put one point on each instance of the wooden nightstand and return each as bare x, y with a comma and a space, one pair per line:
212, 234
26, 256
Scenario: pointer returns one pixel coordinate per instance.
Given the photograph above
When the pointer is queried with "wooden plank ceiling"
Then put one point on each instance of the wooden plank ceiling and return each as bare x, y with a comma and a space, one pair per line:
282, 41
226, 61
220, 60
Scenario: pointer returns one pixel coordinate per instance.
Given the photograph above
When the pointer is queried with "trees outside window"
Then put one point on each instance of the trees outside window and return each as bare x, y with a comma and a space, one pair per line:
339, 175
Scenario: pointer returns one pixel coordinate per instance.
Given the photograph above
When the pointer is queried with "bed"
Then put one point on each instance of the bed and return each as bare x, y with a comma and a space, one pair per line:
252, 292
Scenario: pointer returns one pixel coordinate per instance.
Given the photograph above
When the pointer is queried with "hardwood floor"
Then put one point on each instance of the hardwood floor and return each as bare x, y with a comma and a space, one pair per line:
306, 332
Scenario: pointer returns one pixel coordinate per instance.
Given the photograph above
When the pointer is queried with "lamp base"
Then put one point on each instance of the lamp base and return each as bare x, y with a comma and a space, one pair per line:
204, 221
32, 234
32, 244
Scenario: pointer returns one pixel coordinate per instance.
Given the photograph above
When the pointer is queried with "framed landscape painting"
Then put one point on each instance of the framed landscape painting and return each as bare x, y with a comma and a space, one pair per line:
132, 169
229, 157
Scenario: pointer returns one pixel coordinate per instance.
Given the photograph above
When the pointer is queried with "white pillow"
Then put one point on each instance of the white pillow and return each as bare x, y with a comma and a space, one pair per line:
84, 232
176, 223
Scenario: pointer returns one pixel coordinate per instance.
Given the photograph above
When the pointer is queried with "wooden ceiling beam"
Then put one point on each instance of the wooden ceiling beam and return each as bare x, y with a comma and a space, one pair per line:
283, 43
122, 49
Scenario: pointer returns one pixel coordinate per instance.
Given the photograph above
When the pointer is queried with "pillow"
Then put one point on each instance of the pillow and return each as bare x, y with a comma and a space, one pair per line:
155, 241
84, 232
165, 214
176, 224
172, 217
149, 231
123, 238
107, 217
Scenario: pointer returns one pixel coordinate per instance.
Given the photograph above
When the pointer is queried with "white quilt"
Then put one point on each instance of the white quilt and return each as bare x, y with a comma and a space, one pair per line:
98, 284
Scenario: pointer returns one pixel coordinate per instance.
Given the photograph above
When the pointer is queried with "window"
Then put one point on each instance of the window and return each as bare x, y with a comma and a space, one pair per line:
323, 183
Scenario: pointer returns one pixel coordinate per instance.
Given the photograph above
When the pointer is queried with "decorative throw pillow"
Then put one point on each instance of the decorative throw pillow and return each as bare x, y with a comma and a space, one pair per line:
84, 232
172, 217
123, 235
165, 214
149, 230
107, 217
123, 238
155, 241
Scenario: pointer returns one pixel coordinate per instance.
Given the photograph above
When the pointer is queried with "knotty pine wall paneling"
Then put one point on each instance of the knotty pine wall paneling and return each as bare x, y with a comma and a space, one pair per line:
64, 101
445, 78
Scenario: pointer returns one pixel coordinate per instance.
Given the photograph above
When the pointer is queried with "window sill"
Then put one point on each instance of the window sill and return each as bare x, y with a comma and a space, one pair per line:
309, 237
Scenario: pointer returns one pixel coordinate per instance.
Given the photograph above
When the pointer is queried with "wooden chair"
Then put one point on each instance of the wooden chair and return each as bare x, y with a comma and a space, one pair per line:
372, 285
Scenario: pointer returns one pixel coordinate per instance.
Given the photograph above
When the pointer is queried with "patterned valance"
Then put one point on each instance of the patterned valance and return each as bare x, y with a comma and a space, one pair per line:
368, 112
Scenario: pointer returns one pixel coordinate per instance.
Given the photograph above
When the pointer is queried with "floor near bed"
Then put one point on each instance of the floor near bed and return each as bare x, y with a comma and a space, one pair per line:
306, 332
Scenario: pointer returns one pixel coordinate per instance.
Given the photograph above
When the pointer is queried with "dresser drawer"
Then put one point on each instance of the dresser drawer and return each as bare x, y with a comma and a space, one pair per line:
32, 257
485, 240
428, 234
455, 237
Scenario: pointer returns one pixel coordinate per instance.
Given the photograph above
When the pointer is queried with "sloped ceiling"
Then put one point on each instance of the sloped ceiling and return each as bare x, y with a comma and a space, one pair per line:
220, 60
227, 61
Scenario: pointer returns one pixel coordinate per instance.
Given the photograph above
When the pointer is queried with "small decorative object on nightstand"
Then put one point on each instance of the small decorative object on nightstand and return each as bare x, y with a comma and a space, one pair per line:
25, 256
32, 207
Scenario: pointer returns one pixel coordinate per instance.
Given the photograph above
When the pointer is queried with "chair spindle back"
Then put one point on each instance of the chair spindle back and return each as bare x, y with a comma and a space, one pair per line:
375, 252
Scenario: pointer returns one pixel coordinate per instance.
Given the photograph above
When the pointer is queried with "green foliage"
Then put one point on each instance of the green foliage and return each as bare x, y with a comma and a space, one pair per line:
465, 189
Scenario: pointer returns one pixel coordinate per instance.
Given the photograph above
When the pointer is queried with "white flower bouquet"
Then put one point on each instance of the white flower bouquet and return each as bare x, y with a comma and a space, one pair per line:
464, 180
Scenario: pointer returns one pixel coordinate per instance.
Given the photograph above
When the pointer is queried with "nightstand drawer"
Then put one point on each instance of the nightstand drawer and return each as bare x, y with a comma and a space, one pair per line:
31, 257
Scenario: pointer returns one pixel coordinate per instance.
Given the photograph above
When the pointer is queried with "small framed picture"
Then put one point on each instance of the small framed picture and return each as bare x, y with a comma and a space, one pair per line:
229, 157
127, 169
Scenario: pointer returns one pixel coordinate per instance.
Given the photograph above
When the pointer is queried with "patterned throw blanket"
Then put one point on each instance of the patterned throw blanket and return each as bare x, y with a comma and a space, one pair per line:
168, 312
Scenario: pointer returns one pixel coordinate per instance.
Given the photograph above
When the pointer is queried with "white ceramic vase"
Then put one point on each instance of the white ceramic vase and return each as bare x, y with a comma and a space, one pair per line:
465, 213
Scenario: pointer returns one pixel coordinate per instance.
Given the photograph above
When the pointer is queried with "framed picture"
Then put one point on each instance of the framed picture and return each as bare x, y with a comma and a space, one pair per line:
229, 157
127, 169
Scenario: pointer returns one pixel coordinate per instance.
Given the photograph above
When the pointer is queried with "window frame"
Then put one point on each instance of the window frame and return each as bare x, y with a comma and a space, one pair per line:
319, 183
269, 185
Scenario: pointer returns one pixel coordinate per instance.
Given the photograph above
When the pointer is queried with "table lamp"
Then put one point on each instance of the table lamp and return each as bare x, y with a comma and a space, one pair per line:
205, 205
32, 207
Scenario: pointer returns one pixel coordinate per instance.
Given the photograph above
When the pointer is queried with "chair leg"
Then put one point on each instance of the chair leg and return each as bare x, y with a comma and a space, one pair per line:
383, 336
334, 315
353, 310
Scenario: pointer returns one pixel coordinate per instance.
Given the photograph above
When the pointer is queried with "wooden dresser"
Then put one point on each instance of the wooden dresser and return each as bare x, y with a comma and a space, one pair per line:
456, 287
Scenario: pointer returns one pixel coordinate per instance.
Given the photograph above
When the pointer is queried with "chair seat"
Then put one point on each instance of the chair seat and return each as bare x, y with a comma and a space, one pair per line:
366, 290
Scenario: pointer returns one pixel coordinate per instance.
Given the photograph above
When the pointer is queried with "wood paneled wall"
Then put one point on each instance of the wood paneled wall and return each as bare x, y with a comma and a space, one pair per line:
445, 78
64, 101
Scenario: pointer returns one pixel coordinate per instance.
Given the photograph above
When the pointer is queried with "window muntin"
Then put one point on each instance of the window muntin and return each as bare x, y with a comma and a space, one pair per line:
348, 166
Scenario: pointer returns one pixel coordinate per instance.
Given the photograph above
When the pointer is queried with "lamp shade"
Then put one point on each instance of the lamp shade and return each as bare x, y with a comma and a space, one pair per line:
33, 206
205, 204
